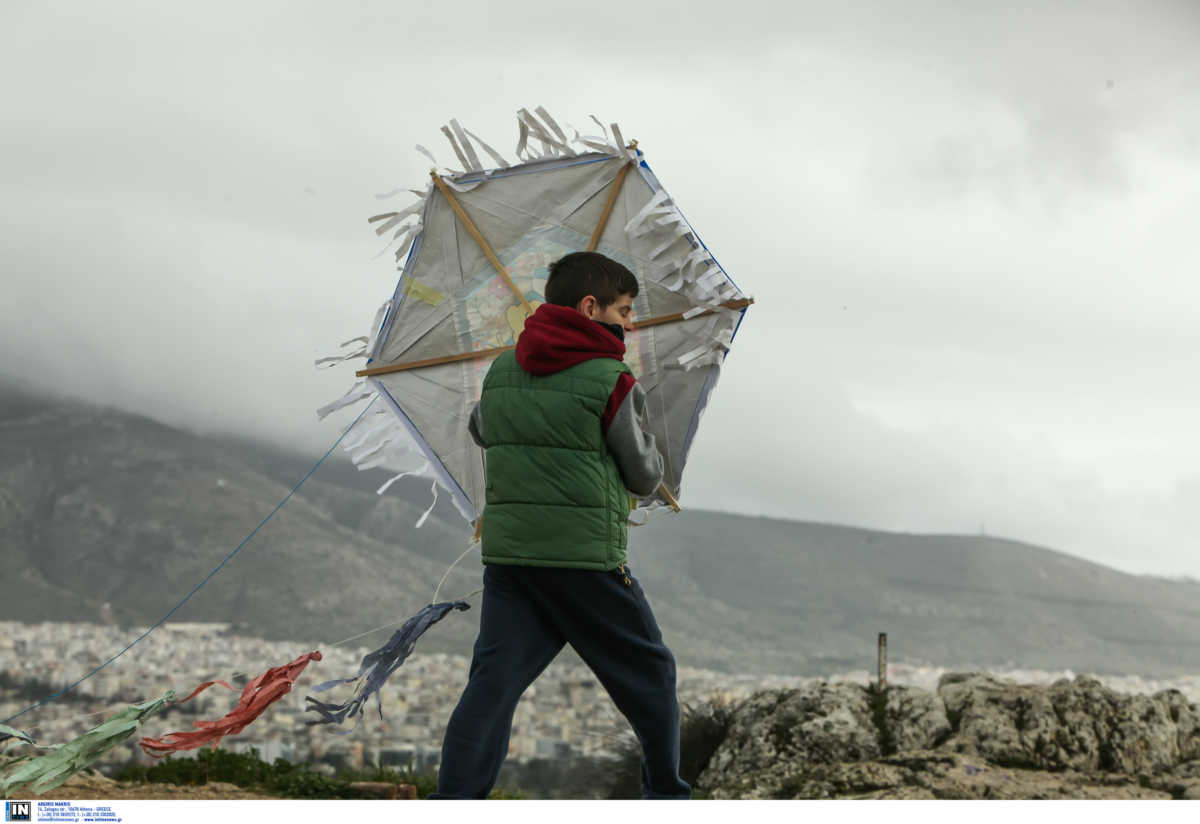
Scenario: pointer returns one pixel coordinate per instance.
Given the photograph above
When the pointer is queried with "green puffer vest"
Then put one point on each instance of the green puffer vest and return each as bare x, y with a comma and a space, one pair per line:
554, 494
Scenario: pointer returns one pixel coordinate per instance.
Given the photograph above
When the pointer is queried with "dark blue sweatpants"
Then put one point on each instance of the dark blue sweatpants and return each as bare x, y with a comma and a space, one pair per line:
528, 614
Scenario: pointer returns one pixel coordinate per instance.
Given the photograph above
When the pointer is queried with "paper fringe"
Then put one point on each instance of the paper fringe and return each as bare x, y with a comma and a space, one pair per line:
380, 440
538, 127
406, 222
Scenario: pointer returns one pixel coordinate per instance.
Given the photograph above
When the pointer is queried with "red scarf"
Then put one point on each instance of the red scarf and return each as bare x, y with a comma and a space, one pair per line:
558, 337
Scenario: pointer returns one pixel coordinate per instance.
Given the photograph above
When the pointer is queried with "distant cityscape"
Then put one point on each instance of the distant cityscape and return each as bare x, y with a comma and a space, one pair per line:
566, 712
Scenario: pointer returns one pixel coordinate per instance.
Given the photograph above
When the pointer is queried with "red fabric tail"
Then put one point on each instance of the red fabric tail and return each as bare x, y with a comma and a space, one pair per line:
259, 694
202, 688
558, 337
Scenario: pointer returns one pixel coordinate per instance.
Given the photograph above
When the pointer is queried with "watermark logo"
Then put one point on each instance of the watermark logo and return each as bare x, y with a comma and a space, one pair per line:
18, 811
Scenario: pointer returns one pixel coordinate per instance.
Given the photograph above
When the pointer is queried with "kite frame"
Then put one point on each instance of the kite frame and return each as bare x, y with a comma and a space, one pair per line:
464, 181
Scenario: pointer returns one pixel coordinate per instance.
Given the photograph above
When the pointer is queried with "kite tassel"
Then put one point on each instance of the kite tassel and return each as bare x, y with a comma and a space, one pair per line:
384, 442
398, 190
407, 224
469, 165
391, 220
434, 489
352, 397
546, 131
325, 363
420, 471
496, 156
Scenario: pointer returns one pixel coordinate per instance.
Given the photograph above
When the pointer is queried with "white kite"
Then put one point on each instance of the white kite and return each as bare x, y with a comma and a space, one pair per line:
474, 249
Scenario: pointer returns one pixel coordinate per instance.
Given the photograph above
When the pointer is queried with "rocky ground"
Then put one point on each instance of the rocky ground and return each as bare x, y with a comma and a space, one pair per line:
976, 737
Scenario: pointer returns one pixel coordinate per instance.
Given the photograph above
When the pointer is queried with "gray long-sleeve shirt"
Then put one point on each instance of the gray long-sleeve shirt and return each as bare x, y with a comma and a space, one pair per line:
632, 447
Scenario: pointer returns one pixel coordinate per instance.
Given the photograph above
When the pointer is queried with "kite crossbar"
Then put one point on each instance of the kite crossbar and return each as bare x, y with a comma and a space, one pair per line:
668, 497
491, 353
608, 204
479, 239
421, 364
679, 316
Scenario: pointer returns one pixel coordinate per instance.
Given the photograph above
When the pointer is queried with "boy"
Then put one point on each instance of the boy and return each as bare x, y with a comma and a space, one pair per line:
559, 420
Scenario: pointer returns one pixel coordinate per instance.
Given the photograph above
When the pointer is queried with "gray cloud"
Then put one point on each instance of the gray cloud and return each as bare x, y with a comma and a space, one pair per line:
968, 229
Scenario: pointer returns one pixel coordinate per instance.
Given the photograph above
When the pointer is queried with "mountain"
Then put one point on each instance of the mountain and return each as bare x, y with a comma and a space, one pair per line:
99, 506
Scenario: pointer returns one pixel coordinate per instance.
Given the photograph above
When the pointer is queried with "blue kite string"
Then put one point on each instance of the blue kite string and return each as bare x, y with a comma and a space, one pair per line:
202, 583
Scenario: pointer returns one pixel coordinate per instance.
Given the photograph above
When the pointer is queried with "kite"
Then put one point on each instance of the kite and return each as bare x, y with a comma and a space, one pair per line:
257, 695
478, 242
53, 769
377, 666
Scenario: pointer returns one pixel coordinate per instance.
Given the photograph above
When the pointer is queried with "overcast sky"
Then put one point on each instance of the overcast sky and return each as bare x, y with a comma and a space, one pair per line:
969, 228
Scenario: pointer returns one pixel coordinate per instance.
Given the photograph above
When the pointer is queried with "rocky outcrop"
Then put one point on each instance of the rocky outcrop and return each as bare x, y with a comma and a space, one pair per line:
914, 720
773, 735
925, 774
1078, 725
976, 737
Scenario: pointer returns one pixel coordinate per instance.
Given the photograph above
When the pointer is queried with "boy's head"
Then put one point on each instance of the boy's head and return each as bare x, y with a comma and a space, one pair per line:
595, 285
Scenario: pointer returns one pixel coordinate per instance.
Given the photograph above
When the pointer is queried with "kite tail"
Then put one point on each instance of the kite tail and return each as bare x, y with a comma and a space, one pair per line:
53, 769
377, 665
256, 696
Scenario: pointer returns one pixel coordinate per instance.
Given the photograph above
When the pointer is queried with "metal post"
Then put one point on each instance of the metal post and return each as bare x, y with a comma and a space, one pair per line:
882, 661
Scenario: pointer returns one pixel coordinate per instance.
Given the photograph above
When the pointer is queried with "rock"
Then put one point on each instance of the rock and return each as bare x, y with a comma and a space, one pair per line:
1077, 725
772, 734
915, 720
1183, 782
861, 779
928, 774
1186, 718
978, 737
988, 714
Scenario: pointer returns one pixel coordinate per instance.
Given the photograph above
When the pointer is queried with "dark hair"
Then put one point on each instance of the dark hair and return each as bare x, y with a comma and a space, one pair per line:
579, 274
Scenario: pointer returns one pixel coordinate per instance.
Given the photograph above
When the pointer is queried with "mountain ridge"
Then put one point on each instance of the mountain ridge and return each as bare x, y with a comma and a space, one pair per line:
101, 506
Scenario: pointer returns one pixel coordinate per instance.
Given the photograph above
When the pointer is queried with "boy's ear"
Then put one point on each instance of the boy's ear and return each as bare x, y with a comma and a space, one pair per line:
587, 305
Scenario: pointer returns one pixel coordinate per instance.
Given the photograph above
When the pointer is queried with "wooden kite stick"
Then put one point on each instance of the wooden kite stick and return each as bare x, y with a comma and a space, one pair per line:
490, 353
666, 493
483, 244
678, 316
608, 206
403, 367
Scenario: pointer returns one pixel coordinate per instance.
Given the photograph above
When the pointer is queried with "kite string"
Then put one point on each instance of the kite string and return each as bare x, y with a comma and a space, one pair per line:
438, 588
228, 557
57, 721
